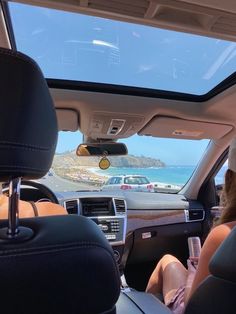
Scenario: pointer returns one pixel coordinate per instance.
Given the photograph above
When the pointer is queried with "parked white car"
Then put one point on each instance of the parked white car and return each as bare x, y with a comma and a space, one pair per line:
166, 187
135, 183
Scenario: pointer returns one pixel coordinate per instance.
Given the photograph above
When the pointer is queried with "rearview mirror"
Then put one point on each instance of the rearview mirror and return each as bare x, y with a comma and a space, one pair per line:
102, 149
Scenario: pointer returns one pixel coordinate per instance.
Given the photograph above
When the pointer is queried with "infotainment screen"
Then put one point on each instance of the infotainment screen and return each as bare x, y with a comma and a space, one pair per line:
94, 207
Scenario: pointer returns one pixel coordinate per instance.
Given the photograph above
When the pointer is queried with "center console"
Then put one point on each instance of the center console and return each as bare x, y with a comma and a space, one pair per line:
109, 213
135, 302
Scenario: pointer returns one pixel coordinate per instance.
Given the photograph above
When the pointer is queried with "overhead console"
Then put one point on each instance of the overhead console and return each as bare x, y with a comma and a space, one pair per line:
111, 125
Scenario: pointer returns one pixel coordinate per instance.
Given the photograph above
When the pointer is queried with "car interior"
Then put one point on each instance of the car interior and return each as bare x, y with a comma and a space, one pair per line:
67, 263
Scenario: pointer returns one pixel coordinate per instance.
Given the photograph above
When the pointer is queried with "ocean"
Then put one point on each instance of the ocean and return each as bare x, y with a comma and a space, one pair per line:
178, 175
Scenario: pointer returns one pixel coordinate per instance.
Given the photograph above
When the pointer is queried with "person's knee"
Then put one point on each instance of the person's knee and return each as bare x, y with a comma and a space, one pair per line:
168, 259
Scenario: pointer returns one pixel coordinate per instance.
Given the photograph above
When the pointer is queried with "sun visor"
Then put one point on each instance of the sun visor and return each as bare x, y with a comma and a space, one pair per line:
67, 120
185, 129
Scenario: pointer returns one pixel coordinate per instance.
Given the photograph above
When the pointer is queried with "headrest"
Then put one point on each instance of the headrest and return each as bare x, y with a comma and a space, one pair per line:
223, 262
67, 267
28, 124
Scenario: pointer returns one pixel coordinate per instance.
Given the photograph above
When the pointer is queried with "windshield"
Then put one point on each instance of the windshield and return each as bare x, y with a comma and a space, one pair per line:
152, 165
79, 47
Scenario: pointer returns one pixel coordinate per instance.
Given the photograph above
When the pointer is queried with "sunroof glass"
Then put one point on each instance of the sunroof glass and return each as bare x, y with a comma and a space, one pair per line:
79, 47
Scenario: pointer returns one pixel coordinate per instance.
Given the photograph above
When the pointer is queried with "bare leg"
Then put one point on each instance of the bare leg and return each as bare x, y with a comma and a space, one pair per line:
167, 277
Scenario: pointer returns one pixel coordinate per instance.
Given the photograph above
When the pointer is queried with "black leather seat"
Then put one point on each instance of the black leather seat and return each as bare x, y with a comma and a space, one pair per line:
66, 268
217, 294
64, 265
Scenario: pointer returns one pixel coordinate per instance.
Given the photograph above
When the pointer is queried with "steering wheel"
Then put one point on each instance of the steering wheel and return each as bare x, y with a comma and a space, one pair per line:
48, 193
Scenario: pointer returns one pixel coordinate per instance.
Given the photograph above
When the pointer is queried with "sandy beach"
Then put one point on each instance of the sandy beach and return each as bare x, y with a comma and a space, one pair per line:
90, 174
81, 174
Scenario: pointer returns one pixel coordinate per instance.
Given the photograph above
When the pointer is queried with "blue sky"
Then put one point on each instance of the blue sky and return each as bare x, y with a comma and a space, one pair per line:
79, 47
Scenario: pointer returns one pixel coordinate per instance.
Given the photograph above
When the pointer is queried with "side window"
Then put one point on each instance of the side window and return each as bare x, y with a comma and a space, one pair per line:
108, 181
115, 180
118, 180
220, 178
112, 181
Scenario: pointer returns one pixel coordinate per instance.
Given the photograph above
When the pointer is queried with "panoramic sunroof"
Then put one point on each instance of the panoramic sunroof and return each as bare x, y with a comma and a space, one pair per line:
79, 47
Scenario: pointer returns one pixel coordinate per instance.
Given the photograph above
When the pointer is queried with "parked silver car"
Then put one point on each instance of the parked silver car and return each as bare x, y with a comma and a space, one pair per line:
129, 183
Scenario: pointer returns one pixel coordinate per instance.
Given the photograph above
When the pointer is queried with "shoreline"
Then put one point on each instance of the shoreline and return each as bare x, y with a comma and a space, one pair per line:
94, 176
157, 184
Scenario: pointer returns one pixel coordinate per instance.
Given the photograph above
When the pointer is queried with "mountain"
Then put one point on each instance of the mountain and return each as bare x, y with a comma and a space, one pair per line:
70, 159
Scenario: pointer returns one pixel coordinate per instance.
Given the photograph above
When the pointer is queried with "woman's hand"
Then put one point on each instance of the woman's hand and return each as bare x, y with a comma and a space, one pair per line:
194, 261
192, 266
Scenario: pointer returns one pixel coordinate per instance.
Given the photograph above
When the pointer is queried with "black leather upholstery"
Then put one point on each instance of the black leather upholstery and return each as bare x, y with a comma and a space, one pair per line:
67, 268
216, 295
223, 263
28, 124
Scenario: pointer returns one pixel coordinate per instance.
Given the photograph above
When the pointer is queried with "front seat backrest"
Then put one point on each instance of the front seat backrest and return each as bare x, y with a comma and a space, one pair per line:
28, 124
66, 266
216, 294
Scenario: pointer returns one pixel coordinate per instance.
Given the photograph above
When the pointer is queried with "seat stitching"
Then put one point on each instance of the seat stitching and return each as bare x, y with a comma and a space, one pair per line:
22, 145
54, 249
51, 251
70, 244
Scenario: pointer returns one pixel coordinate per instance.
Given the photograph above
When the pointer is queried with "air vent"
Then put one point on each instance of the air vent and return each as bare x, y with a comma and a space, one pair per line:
71, 206
194, 215
120, 206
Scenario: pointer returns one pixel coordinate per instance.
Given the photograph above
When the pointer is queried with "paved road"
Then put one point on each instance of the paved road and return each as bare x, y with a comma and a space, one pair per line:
58, 184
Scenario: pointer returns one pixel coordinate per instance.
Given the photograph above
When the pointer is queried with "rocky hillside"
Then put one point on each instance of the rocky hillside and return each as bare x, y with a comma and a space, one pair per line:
70, 159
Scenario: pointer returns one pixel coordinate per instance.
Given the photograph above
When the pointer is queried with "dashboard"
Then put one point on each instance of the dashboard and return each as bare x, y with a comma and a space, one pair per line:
128, 211
140, 209
140, 226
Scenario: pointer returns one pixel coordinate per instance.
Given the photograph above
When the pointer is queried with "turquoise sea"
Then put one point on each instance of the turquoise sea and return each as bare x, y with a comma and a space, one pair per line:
178, 175
171, 174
